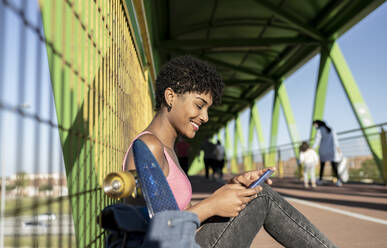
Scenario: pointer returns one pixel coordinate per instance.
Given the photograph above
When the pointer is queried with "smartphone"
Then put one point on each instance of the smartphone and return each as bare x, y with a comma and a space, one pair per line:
261, 179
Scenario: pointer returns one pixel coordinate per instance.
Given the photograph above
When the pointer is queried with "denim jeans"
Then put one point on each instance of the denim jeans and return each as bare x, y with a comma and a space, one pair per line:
270, 210
172, 229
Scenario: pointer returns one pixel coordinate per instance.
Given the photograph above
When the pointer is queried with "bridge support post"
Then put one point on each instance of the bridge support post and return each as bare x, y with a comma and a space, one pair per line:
291, 123
250, 164
238, 135
321, 89
270, 159
383, 141
227, 147
255, 123
357, 103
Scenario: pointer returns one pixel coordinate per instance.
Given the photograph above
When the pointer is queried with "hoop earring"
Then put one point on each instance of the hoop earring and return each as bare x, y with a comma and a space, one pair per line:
169, 107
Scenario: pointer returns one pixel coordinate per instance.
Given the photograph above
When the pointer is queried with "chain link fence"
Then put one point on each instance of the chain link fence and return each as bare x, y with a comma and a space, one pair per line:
74, 91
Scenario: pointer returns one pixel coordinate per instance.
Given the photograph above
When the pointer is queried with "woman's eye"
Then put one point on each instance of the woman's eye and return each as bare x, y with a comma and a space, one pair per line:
199, 107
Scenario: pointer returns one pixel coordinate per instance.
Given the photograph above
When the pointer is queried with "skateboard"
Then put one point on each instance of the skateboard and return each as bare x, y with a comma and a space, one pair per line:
150, 181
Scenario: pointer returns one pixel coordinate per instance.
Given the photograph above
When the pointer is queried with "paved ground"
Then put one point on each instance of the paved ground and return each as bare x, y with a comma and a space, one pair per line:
354, 215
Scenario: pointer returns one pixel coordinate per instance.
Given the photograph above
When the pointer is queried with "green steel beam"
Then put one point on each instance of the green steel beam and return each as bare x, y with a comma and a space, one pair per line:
240, 137
229, 22
333, 9
239, 68
217, 62
135, 31
264, 52
291, 19
197, 164
219, 112
237, 82
234, 99
235, 43
249, 165
254, 123
258, 126
152, 30
234, 164
227, 144
282, 60
233, 159
358, 105
291, 123
321, 89
270, 161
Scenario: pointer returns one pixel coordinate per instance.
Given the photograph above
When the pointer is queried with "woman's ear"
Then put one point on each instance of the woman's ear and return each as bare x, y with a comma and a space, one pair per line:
169, 96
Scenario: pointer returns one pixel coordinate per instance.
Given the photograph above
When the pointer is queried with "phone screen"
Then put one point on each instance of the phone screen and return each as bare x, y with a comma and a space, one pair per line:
261, 179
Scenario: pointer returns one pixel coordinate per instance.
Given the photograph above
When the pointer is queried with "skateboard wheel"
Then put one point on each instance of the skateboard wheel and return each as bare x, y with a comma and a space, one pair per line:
120, 185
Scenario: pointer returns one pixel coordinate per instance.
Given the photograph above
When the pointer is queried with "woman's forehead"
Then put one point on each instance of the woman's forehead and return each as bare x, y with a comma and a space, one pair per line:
206, 97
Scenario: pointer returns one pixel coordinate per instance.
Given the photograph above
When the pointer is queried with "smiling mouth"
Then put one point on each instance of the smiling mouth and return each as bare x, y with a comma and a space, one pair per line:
196, 126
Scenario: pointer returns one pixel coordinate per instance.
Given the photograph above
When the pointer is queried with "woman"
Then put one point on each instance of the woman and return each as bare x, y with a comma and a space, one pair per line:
329, 150
232, 216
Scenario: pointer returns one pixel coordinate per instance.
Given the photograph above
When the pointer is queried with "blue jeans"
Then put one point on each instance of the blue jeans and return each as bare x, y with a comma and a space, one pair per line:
172, 229
270, 210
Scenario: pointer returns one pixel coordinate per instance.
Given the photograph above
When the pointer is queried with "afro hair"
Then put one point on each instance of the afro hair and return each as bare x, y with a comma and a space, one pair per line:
188, 74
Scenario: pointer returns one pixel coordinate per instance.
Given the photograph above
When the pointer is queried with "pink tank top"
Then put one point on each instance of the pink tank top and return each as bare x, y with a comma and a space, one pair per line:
177, 180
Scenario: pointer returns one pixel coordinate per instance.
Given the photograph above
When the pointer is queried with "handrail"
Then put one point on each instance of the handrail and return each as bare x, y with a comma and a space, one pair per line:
363, 128
291, 144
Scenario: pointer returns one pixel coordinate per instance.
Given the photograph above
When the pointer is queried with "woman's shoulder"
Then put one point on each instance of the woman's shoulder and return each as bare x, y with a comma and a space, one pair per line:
154, 144
156, 147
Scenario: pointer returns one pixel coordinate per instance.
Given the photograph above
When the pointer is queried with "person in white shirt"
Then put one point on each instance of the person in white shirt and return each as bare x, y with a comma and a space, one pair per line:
310, 159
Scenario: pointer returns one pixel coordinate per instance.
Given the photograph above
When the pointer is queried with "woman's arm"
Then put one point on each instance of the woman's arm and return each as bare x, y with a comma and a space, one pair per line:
227, 201
317, 140
230, 199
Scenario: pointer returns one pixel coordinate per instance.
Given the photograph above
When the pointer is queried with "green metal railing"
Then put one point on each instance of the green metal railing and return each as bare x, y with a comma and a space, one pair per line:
361, 163
75, 88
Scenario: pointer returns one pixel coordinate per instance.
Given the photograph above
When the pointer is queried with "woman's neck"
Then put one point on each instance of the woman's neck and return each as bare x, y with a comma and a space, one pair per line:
163, 129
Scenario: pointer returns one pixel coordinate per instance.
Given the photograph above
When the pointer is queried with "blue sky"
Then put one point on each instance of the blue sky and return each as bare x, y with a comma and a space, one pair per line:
20, 142
365, 50
364, 47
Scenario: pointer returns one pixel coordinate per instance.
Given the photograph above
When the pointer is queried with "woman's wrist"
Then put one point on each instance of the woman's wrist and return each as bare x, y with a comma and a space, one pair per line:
204, 209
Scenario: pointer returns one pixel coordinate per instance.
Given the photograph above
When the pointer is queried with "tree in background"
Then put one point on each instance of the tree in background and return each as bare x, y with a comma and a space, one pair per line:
21, 182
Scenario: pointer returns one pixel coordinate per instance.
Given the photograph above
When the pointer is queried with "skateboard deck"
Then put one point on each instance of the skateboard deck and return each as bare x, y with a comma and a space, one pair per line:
154, 186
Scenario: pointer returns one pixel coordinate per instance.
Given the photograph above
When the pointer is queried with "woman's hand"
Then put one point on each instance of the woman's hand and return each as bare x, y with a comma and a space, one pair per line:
230, 199
249, 177
227, 201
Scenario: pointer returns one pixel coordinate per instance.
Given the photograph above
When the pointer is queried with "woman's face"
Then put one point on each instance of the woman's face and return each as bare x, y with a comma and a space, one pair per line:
190, 111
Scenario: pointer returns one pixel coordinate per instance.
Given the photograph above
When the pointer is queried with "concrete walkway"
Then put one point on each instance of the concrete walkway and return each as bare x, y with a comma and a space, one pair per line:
354, 215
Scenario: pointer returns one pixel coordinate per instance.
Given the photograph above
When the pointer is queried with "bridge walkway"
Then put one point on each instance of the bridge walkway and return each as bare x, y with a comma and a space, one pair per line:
354, 215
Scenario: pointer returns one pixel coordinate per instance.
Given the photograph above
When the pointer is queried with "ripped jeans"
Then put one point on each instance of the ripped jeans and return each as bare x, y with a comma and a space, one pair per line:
270, 210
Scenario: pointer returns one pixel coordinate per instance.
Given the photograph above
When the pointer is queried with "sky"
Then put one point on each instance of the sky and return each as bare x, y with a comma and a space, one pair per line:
25, 145
364, 48
365, 51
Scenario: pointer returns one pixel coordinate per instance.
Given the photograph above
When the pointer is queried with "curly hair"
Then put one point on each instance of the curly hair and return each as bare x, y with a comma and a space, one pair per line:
188, 74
